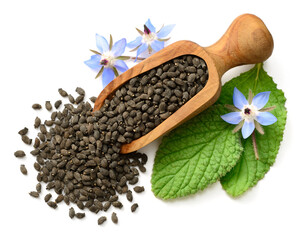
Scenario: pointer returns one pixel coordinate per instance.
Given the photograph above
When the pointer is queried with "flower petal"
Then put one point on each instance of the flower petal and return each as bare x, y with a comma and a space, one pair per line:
266, 118
141, 49
94, 62
107, 76
239, 99
150, 26
261, 99
232, 118
165, 31
101, 43
157, 45
121, 65
119, 47
247, 128
135, 42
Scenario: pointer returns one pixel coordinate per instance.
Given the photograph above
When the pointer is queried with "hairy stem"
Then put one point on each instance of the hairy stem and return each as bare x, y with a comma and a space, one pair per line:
255, 146
259, 66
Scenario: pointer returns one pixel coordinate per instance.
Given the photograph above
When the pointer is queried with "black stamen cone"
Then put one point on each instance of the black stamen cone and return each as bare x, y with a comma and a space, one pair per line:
146, 30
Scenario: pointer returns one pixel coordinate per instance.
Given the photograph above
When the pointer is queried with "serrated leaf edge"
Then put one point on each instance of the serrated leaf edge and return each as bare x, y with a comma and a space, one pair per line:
193, 191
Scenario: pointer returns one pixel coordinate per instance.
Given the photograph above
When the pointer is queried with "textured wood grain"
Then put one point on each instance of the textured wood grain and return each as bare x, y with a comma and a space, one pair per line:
246, 41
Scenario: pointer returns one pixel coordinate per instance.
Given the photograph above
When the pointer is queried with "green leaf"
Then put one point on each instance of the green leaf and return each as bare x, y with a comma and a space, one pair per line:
249, 171
195, 155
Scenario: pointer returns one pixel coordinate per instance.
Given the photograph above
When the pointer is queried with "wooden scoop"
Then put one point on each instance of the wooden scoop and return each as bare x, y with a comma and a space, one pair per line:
246, 41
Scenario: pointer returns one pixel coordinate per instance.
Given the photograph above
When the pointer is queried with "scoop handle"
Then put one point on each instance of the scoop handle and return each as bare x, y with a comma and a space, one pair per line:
246, 41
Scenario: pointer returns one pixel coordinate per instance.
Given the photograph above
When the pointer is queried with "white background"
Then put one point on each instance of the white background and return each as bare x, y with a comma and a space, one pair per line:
42, 47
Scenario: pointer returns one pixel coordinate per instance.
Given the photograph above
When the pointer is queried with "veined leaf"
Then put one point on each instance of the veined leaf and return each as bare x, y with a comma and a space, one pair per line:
204, 149
249, 171
195, 155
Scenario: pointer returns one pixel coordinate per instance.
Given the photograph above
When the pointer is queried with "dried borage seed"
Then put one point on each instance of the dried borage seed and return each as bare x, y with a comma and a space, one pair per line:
23, 169
48, 105
23, 131
36, 143
138, 189
62, 92
129, 196
66, 200
93, 99
34, 194
52, 204
36, 106
101, 220
80, 91
26, 140
57, 104
38, 187
106, 206
35, 152
80, 215
79, 99
47, 197
134, 207
114, 218
19, 154
59, 198
71, 99
117, 204
71, 212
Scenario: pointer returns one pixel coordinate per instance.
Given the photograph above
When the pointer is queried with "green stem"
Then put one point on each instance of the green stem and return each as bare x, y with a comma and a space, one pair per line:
259, 66
255, 146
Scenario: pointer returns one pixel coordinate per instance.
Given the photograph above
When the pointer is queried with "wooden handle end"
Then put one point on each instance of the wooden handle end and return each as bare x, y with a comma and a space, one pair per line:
246, 41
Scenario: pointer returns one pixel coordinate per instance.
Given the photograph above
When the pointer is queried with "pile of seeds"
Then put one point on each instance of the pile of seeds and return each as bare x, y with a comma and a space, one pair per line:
76, 160
78, 151
145, 101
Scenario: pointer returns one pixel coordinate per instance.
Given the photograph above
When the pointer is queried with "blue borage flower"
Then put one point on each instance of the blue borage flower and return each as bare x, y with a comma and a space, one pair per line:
109, 60
150, 39
249, 115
